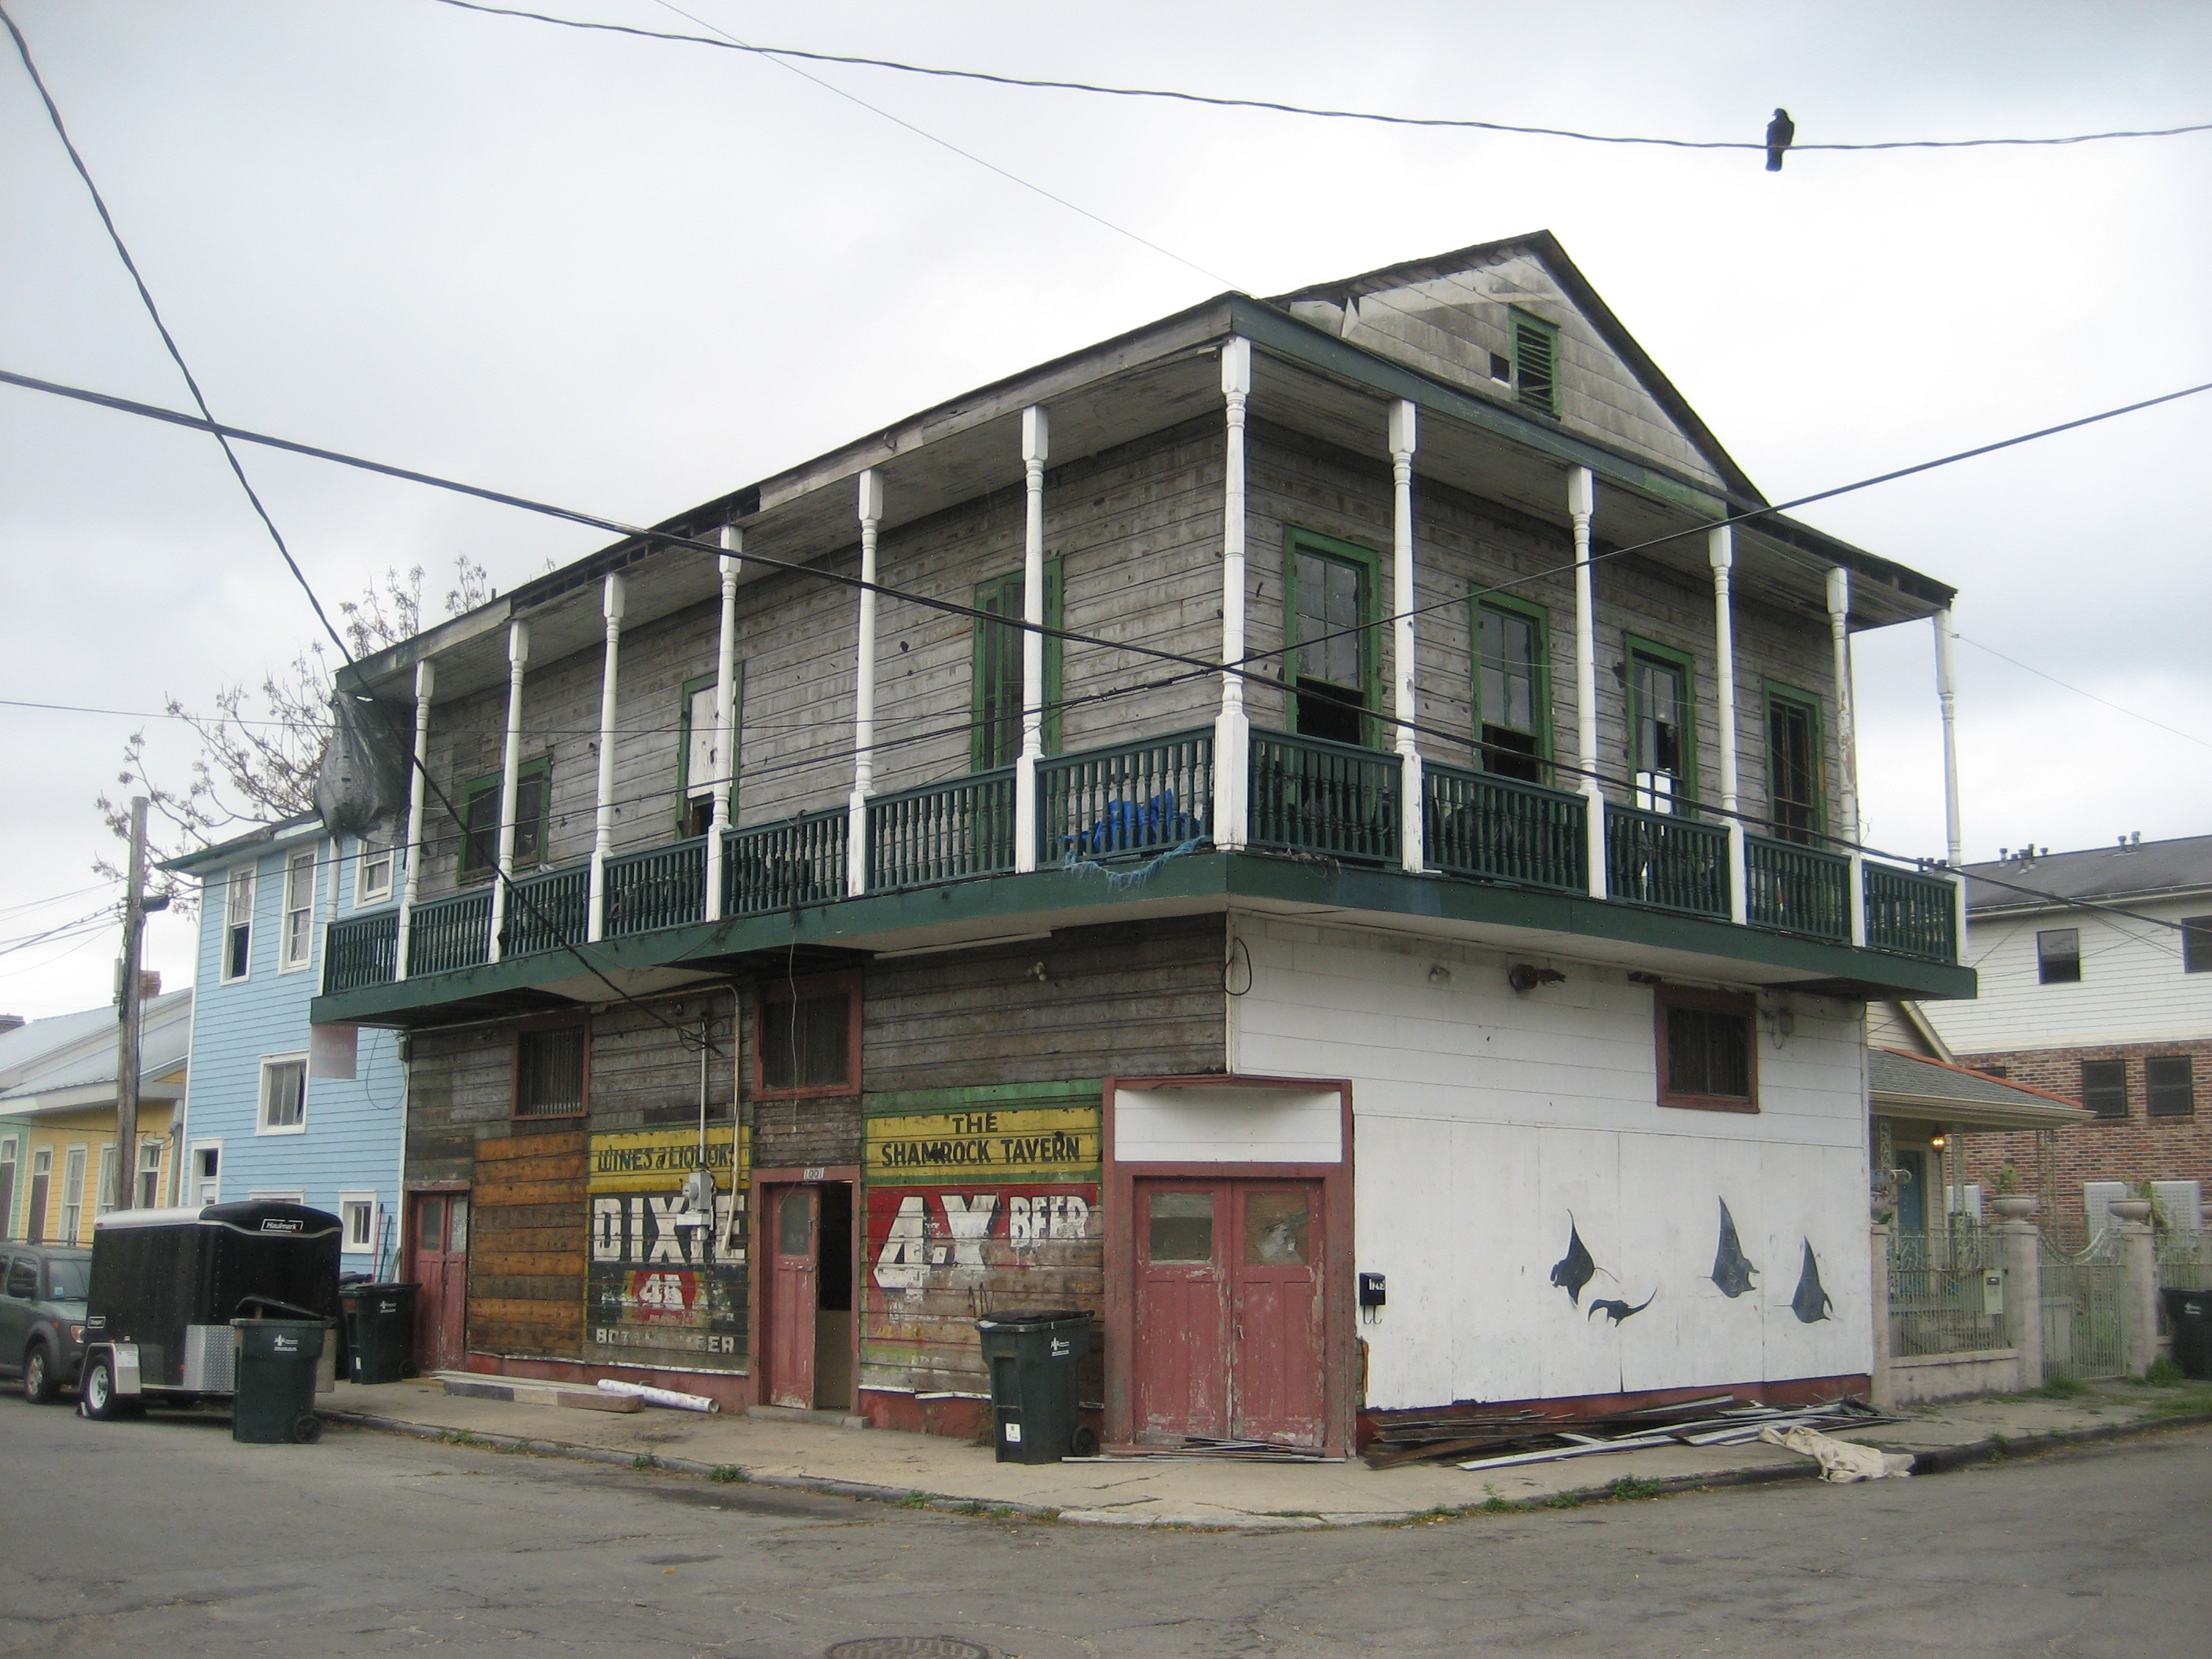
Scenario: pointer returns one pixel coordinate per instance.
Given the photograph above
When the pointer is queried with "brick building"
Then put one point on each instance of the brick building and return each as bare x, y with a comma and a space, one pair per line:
2096, 983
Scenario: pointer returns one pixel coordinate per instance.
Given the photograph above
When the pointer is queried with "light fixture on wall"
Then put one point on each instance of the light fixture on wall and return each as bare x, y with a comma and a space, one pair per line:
1527, 977
1438, 974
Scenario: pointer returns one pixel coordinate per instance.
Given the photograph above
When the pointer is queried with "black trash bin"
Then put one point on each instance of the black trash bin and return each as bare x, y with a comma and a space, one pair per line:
276, 1397
2189, 1317
1034, 1359
379, 1328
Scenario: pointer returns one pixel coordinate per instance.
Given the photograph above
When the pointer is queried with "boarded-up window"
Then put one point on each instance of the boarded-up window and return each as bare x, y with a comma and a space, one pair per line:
548, 1072
805, 1041
2105, 1087
1707, 1057
2169, 1085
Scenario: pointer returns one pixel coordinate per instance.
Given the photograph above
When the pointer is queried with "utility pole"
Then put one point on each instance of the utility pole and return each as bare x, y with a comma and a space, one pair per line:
126, 1015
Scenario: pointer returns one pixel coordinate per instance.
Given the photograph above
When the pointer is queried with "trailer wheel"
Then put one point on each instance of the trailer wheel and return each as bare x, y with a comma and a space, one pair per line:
95, 1393
306, 1429
40, 1387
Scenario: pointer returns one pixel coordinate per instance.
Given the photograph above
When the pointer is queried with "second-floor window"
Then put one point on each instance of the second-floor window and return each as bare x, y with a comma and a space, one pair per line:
1331, 665
1793, 764
1000, 654
283, 1096
2058, 955
149, 1174
1662, 732
2170, 1085
1512, 687
238, 922
373, 873
299, 909
480, 839
2196, 944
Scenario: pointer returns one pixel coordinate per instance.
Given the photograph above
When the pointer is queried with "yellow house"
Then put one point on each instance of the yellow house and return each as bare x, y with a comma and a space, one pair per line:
57, 1147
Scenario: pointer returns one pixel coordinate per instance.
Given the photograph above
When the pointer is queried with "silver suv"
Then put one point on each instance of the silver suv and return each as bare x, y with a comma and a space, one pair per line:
42, 1290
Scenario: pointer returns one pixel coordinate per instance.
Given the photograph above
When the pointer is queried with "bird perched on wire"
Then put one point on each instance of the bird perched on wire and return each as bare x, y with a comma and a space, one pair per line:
1780, 132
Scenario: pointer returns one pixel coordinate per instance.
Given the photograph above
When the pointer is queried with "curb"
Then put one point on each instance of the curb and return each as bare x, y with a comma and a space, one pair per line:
1941, 1460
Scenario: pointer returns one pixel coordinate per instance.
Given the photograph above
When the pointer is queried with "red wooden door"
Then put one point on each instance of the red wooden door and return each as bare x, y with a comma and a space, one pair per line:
792, 1295
438, 1241
1182, 1305
1275, 1370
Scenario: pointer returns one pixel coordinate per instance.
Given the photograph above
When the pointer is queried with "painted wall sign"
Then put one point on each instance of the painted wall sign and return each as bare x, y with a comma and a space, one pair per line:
976, 1200
660, 1288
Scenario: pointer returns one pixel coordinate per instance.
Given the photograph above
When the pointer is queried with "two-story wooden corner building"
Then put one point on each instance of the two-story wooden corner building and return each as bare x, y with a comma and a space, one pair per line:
1461, 998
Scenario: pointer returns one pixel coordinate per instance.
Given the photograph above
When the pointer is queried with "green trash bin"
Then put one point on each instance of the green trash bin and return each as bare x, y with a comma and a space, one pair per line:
275, 1400
1035, 1360
2189, 1317
379, 1324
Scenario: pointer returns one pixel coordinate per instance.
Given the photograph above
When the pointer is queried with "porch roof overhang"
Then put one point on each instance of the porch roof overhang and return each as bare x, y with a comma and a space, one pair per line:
1915, 1086
975, 913
1142, 382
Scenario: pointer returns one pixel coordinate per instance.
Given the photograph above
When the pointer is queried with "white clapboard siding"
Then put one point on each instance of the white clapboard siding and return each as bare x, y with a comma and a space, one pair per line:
2132, 988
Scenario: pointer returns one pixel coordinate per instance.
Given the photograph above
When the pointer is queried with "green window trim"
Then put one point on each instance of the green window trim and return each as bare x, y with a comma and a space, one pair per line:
995, 671
692, 686
1535, 362
1636, 645
479, 842
1775, 692
1539, 619
1369, 563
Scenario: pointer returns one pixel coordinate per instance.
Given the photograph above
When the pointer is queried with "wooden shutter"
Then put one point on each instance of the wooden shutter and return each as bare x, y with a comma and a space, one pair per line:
1535, 362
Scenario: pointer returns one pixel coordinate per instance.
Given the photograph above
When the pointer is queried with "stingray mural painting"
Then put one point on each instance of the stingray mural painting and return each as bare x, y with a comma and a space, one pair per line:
1811, 1303
1577, 1267
1732, 1268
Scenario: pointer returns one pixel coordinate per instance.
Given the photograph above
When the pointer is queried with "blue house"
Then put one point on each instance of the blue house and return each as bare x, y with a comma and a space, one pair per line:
266, 1114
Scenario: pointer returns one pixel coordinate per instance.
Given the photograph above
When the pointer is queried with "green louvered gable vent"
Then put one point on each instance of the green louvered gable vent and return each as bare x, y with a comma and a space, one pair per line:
1535, 362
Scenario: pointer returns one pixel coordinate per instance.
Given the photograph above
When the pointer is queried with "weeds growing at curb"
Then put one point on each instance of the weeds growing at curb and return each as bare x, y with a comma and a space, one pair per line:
463, 1437
915, 1500
1631, 1485
728, 1474
645, 1461
2059, 1388
1565, 1500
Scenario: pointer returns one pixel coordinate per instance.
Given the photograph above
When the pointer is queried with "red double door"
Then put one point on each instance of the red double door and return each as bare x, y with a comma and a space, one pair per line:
1229, 1312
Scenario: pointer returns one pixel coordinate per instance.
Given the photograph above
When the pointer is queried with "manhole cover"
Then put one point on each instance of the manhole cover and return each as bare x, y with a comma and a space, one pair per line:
906, 1647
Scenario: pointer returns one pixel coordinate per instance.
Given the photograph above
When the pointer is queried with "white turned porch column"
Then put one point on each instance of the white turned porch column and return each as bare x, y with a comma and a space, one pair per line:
510, 780
725, 718
1404, 646
1582, 506
1847, 742
864, 690
1954, 836
612, 598
1720, 549
426, 685
1036, 445
1232, 727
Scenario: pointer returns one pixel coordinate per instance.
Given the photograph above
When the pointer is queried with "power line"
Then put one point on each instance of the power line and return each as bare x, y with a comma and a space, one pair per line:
207, 420
730, 43
2062, 685
734, 43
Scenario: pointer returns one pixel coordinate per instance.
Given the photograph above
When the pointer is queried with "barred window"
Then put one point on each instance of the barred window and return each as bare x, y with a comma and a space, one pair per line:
548, 1072
1708, 1059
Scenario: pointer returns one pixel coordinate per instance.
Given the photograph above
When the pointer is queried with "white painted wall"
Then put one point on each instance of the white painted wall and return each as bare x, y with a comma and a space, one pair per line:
2131, 990
1484, 1118
1228, 1125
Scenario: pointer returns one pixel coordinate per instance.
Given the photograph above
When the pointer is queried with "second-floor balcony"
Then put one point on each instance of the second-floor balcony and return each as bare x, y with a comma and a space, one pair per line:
1111, 810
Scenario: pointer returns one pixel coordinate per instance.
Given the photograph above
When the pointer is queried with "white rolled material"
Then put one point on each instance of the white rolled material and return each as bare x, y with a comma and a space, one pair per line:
668, 1397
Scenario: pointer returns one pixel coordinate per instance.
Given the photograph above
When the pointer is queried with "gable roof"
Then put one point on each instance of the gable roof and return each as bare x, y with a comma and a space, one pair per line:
1445, 282
2139, 870
80, 1068
256, 839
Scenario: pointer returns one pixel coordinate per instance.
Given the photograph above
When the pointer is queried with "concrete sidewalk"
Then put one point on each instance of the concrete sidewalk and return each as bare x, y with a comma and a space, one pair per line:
886, 1465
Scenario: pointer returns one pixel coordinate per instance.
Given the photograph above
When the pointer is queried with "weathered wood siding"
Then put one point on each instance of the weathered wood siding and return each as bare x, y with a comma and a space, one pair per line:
526, 1246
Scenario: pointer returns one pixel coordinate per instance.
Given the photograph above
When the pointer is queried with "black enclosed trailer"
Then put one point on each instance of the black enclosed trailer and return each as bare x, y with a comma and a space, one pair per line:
167, 1284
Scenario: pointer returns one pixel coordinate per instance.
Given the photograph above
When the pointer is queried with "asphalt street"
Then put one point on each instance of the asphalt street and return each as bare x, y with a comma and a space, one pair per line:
164, 1537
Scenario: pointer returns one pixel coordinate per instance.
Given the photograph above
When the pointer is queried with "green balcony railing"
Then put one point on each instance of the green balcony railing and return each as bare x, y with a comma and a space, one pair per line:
450, 932
778, 866
1309, 795
360, 951
1477, 823
1136, 797
1911, 914
546, 911
660, 887
1796, 890
1666, 860
942, 832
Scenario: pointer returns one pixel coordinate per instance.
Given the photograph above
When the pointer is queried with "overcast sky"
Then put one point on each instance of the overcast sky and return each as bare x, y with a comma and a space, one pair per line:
630, 275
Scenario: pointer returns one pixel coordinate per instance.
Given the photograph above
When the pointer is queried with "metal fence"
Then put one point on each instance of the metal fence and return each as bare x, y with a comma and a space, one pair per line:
2082, 1296
1939, 1300
2184, 1261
